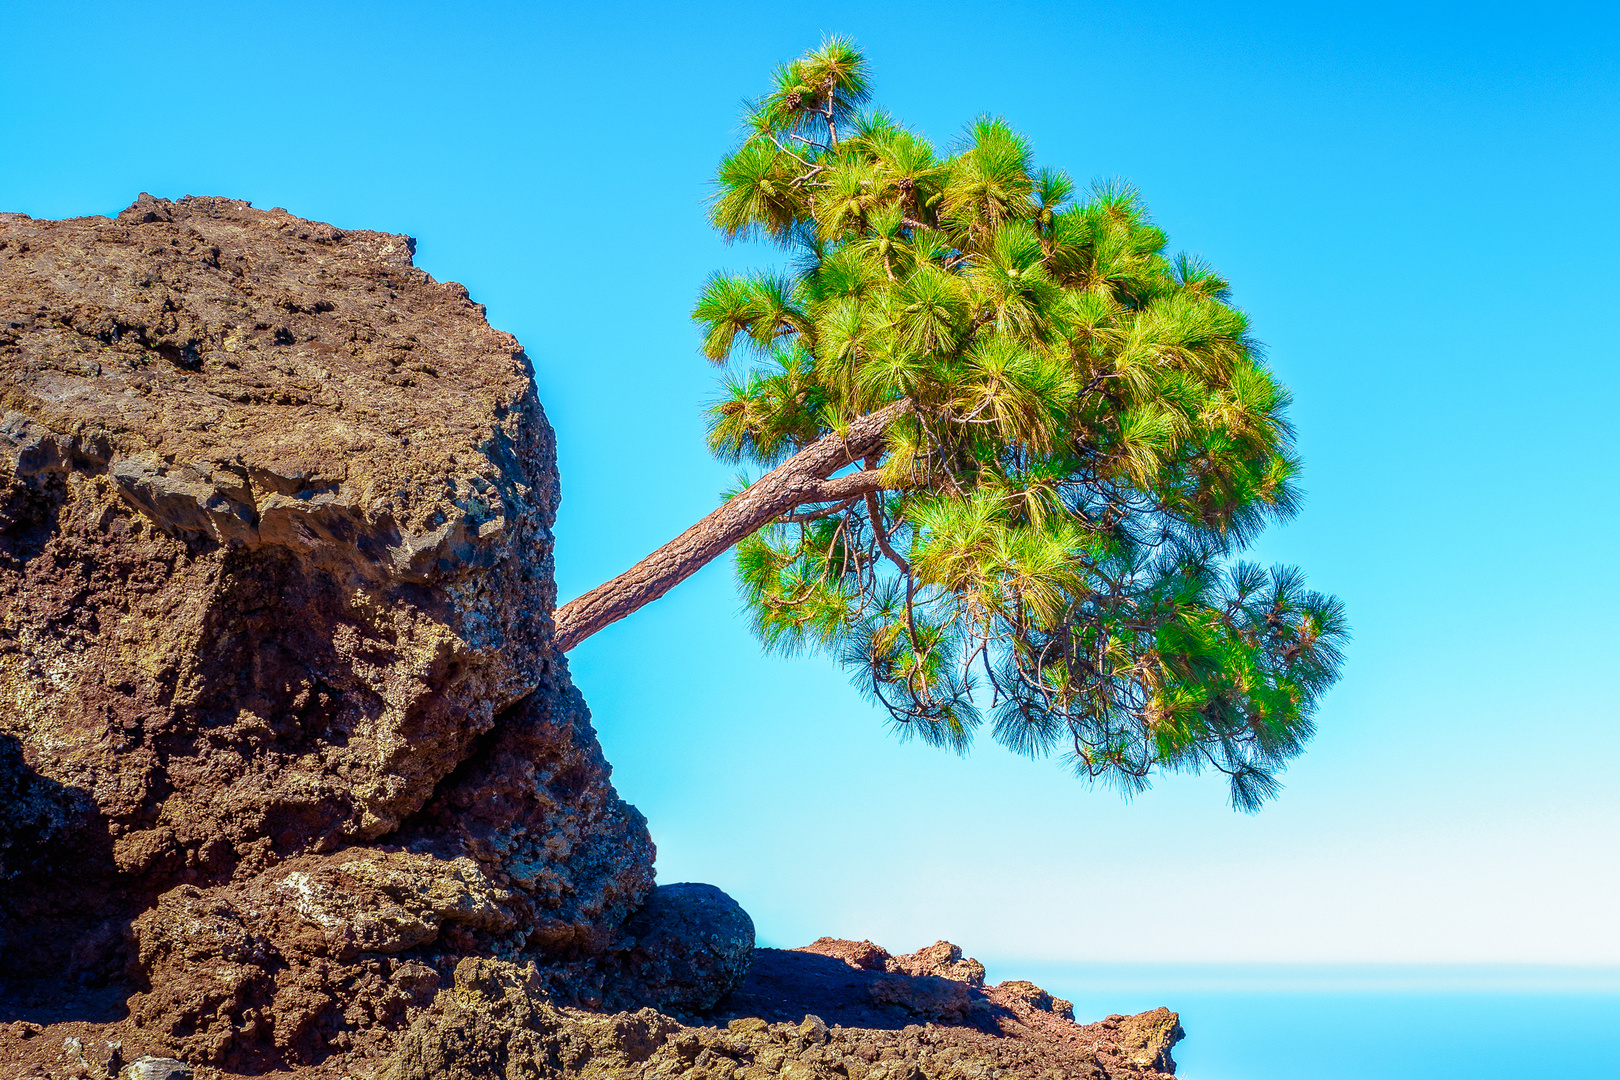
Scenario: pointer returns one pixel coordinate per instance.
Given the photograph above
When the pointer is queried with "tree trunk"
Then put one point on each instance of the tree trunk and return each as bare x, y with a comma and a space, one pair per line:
799, 480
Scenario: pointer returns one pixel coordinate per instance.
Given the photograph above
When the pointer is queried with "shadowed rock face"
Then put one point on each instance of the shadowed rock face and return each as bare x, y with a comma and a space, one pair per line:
277, 693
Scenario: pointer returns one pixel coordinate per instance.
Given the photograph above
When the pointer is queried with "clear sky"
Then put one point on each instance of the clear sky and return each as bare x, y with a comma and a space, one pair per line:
1416, 204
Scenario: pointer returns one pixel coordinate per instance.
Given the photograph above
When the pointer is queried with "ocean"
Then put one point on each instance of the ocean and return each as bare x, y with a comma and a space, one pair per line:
1363, 1022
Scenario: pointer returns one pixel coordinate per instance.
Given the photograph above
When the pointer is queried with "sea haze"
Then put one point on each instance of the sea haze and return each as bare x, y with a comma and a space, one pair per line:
1361, 1022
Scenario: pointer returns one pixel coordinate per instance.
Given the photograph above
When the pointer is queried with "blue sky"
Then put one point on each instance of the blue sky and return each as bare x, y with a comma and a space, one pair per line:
1415, 203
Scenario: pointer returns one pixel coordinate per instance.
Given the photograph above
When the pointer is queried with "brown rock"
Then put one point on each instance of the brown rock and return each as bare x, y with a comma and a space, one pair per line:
929, 997
1147, 1038
857, 954
941, 959
277, 690
1023, 993
498, 1022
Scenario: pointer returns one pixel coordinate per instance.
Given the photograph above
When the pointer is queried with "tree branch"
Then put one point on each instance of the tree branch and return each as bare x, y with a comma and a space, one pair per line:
801, 479
853, 486
846, 489
816, 515
875, 512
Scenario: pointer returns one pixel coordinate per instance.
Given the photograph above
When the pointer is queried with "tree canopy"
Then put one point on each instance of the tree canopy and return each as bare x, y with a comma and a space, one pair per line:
1023, 447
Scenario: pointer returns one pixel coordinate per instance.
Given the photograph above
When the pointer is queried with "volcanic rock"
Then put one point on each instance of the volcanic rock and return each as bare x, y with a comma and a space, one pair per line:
282, 732
684, 951
942, 960
497, 1021
1147, 1038
1034, 997
857, 954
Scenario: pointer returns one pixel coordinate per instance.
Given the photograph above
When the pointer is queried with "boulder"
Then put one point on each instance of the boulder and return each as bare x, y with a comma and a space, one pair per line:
292, 778
683, 952
283, 734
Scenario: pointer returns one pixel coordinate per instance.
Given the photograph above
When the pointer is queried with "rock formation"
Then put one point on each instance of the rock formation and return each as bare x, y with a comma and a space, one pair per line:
816, 1013
292, 778
282, 735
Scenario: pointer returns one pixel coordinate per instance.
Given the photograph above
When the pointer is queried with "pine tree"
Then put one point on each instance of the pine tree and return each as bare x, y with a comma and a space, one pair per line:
1014, 449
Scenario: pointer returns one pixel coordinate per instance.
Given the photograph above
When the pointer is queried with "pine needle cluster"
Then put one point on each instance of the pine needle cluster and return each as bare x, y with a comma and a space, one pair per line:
1090, 437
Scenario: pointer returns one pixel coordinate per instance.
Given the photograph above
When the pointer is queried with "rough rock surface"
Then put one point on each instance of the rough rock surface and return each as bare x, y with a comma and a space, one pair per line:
939, 960
687, 948
496, 1022
282, 733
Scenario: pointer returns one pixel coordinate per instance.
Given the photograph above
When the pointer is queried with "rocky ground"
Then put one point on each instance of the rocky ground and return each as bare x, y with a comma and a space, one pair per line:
292, 779
834, 1010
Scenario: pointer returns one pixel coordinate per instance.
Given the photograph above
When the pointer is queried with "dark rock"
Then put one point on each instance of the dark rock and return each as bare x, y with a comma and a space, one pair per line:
928, 997
685, 950
109, 1056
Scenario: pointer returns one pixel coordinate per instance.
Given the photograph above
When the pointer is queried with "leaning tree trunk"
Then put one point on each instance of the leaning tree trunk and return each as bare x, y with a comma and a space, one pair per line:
801, 479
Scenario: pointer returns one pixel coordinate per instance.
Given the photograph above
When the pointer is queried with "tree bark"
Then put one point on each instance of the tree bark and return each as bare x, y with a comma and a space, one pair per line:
801, 479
